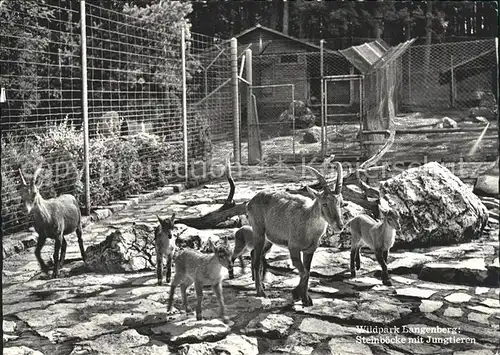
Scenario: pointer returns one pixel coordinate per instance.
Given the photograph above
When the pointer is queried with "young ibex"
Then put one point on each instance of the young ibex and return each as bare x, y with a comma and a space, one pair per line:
165, 247
378, 236
296, 222
53, 218
243, 242
191, 266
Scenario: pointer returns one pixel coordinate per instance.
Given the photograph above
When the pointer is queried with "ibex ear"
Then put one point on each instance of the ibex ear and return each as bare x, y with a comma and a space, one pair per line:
172, 219
159, 219
211, 245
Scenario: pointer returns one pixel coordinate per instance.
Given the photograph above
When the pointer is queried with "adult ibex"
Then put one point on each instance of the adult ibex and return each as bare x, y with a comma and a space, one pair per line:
53, 218
296, 222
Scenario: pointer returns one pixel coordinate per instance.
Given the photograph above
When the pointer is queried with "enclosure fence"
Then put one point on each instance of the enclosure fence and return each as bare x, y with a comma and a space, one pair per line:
157, 99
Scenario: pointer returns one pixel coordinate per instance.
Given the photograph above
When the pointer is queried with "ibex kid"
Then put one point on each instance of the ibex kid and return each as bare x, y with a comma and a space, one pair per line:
243, 242
165, 246
53, 218
296, 222
192, 266
379, 236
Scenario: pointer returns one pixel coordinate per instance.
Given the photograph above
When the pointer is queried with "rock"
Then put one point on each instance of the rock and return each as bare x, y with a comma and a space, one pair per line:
8, 326
408, 262
491, 302
486, 112
402, 280
469, 272
453, 312
348, 346
269, 325
231, 345
435, 206
478, 317
415, 292
487, 182
20, 350
379, 310
318, 326
429, 306
364, 281
483, 309
124, 343
458, 297
312, 135
123, 251
191, 330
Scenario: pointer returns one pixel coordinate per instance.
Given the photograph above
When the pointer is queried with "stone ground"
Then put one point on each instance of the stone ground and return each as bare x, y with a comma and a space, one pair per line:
444, 300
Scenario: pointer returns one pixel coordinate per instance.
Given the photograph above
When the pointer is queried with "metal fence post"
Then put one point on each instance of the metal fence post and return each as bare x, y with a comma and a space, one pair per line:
236, 104
184, 102
322, 100
85, 107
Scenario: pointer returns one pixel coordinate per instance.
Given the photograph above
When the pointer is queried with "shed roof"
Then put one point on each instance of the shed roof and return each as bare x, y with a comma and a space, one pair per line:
374, 55
463, 70
279, 34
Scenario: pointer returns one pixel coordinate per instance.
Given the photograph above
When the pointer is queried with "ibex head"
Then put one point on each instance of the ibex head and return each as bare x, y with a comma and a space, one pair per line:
29, 190
221, 250
167, 225
330, 201
392, 218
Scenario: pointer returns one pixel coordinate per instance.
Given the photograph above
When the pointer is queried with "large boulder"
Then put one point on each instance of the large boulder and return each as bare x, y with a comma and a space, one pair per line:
487, 182
436, 207
130, 249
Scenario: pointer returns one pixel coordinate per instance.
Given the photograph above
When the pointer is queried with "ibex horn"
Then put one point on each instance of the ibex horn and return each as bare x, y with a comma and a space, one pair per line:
22, 177
321, 179
340, 178
35, 175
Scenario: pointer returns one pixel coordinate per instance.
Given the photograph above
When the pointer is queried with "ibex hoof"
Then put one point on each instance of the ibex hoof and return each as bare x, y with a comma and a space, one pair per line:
199, 317
160, 282
225, 319
261, 293
296, 294
353, 273
358, 267
307, 302
387, 282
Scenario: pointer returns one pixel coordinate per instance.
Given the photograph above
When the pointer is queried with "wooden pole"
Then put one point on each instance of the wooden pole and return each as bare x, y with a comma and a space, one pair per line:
254, 144
452, 83
85, 106
236, 104
184, 103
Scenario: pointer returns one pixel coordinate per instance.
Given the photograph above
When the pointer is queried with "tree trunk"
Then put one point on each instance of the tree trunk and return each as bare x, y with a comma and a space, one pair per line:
286, 13
273, 23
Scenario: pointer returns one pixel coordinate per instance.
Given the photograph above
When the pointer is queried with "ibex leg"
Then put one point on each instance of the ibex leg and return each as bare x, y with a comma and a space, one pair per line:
63, 251
385, 274
159, 266
300, 292
217, 288
259, 241
57, 252
39, 245
169, 268
80, 241
199, 299
307, 259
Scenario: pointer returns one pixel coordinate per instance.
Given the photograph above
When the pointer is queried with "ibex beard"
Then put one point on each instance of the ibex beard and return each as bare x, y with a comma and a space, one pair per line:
296, 222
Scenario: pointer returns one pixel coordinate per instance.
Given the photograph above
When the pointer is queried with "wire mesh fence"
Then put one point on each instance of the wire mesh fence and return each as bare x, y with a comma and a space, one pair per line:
140, 136
450, 75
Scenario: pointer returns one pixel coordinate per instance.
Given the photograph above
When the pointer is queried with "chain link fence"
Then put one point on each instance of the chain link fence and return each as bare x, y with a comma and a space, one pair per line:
140, 136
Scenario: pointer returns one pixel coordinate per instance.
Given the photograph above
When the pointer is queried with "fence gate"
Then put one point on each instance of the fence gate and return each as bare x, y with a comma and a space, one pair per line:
342, 109
274, 113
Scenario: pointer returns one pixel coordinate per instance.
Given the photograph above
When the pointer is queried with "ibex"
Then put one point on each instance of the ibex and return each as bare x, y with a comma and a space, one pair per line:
165, 246
378, 236
53, 218
191, 266
243, 242
296, 222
